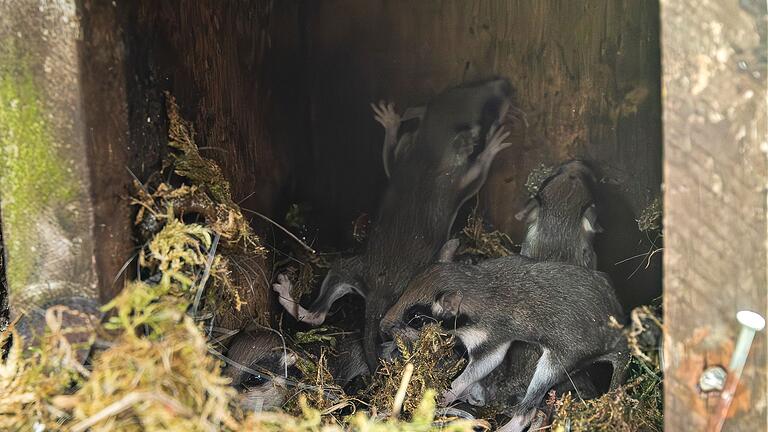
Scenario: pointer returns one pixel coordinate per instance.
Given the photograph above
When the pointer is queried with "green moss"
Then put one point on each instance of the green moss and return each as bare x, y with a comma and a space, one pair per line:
32, 174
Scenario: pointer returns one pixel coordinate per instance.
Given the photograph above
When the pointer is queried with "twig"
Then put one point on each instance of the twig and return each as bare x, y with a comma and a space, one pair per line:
235, 364
282, 338
213, 148
138, 181
397, 405
304, 245
631, 258
206, 274
338, 406
124, 268
246, 197
225, 334
571, 380
648, 257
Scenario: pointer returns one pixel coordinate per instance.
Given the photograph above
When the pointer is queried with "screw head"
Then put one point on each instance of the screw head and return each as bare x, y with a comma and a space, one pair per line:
751, 319
712, 379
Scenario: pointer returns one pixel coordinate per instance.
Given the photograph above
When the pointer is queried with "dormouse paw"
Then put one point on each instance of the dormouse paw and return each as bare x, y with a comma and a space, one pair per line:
385, 114
496, 137
283, 286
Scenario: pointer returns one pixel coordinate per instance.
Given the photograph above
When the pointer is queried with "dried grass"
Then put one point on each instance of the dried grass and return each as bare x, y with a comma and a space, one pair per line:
189, 163
434, 366
161, 378
479, 243
157, 373
31, 385
650, 217
311, 420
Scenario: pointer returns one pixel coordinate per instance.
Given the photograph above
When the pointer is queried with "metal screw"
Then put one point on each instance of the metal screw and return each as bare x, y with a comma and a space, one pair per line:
661, 353
712, 379
751, 322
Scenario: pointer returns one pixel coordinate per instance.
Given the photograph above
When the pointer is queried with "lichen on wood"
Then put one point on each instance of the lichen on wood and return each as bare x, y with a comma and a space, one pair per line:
34, 179
189, 163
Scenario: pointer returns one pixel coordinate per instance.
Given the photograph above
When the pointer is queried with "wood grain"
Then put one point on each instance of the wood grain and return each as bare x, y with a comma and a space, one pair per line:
106, 116
715, 203
223, 61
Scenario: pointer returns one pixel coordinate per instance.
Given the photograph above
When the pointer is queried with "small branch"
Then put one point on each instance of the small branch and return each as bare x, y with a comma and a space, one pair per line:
304, 245
282, 338
124, 268
397, 405
206, 274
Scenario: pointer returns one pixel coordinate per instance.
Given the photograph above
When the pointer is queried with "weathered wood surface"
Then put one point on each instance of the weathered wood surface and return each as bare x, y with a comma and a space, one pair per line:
586, 74
105, 106
714, 63
47, 210
218, 59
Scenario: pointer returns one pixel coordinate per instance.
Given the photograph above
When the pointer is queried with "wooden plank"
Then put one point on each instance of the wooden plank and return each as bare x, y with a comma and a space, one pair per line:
714, 78
223, 62
103, 88
47, 211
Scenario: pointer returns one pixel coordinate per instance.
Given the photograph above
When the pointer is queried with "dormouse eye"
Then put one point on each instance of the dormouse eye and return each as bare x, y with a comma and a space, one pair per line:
254, 381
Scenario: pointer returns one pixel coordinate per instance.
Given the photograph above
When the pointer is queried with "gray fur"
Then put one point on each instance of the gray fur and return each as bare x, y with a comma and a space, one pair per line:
428, 184
343, 278
562, 308
561, 219
432, 175
349, 360
448, 251
263, 352
572, 184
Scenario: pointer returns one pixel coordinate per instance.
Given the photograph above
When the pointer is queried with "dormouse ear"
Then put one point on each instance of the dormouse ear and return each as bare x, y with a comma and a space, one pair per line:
448, 251
589, 220
451, 302
530, 212
413, 112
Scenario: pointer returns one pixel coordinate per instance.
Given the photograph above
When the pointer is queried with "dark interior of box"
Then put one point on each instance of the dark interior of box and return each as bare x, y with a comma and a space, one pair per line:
279, 94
